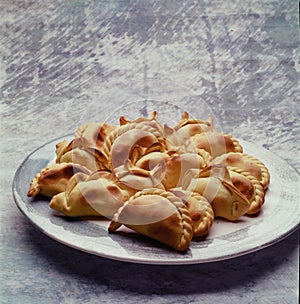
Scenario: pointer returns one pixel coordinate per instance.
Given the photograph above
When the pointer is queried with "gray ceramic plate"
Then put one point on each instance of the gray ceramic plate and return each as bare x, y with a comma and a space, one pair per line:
279, 217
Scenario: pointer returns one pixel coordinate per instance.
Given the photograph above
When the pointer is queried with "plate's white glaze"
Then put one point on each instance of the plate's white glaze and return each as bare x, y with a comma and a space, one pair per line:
279, 217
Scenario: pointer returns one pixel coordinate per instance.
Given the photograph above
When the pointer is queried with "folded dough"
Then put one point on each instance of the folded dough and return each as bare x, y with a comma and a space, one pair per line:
249, 186
201, 212
77, 153
150, 160
177, 165
188, 127
178, 136
119, 144
137, 178
215, 185
158, 214
54, 178
86, 196
242, 162
151, 120
93, 134
216, 143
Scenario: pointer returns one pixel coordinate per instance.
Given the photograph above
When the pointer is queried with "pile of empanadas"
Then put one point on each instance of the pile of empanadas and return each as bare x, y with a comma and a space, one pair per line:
168, 183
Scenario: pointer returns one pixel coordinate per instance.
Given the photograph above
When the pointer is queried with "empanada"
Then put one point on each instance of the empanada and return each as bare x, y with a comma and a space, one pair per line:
216, 143
138, 152
201, 211
89, 197
150, 160
188, 127
119, 144
250, 187
242, 162
75, 152
157, 214
178, 136
215, 185
137, 178
54, 178
178, 165
151, 120
93, 134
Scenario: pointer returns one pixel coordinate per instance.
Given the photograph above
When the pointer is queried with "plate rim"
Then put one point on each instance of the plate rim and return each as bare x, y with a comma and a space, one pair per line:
137, 259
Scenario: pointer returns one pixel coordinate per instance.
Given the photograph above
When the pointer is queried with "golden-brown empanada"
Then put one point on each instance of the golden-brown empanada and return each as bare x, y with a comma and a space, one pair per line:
215, 185
178, 165
137, 178
249, 186
119, 144
188, 127
151, 120
177, 137
200, 209
93, 134
89, 197
54, 178
139, 152
158, 214
216, 143
242, 162
75, 152
150, 160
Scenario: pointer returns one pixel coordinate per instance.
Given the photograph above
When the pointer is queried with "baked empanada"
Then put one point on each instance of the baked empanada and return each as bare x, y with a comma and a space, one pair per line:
89, 197
137, 178
216, 143
119, 144
54, 178
138, 152
150, 160
215, 185
188, 127
93, 134
249, 186
158, 214
178, 165
151, 121
201, 211
75, 152
178, 136
242, 162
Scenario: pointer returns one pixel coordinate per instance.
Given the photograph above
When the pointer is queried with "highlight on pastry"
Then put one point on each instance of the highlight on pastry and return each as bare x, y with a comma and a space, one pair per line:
86, 196
168, 183
54, 178
158, 214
